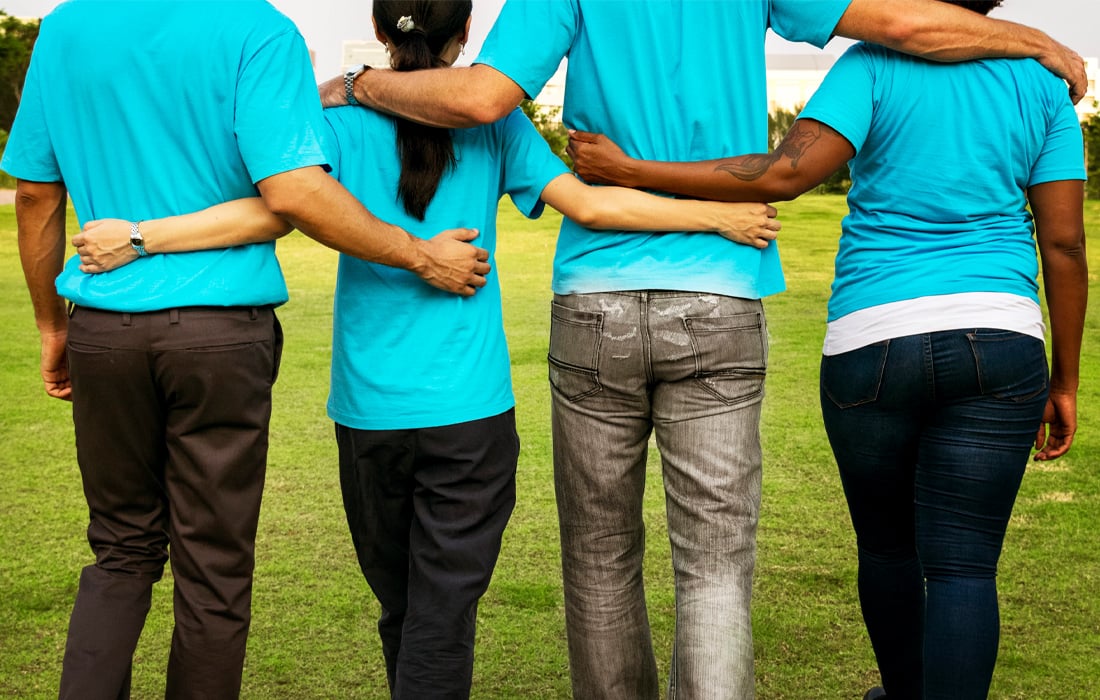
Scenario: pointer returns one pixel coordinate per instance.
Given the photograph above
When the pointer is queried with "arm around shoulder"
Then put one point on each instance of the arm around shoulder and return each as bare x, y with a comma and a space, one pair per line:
443, 97
939, 31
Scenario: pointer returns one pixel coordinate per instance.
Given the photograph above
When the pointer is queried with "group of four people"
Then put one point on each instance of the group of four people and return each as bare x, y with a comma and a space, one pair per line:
171, 345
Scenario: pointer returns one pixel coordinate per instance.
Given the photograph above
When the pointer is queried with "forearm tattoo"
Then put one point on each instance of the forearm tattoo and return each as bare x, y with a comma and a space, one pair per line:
798, 140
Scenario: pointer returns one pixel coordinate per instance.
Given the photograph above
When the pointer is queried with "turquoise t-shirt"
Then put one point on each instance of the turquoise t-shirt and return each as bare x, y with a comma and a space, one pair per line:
679, 80
405, 354
944, 155
215, 96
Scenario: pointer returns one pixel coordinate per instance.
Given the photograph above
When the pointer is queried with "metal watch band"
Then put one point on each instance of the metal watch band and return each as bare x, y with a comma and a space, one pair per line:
349, 83
136, 240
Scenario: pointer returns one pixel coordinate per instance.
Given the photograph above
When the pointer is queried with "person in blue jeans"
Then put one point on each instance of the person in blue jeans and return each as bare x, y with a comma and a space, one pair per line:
421, 390
934, 382
664, 335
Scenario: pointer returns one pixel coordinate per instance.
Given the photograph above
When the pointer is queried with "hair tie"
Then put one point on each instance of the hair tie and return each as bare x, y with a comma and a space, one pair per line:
406, 24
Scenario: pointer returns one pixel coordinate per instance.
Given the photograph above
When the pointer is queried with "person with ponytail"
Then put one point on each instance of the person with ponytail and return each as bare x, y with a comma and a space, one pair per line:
421, 390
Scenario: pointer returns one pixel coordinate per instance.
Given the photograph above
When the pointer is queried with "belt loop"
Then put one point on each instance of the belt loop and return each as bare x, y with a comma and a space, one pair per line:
126, 321
174, 317
253, 313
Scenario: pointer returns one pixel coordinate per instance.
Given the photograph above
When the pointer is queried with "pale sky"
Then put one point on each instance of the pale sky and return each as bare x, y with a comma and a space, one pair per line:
326, 23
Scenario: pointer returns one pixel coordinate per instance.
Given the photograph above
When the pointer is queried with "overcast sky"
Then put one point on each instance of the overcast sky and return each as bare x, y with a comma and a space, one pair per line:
325, 24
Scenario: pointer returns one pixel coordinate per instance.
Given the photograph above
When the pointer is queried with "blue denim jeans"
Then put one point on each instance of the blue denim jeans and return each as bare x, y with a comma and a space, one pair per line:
689, 368
932, 434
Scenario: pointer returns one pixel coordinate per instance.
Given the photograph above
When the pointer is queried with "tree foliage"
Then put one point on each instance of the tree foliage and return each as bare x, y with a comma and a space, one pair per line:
548, 123
780, 122
1090, 127
16, 41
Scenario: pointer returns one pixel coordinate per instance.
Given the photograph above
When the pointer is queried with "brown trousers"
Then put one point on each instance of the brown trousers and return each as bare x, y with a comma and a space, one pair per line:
171, 410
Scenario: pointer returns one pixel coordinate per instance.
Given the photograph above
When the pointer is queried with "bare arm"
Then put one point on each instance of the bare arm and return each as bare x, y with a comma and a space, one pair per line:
1060, 230
446, 97
940, 31
104, 244
808, 154
752, 224
40, 217
320, 207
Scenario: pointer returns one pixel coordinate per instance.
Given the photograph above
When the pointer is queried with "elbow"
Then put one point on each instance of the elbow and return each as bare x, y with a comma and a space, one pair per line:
287, 195
588, 217
29, 193
592, 212
784, 191
475, 112
898, 31
879, 23
491, 96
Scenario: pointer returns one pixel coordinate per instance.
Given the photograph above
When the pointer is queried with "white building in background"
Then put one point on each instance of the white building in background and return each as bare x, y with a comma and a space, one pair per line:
356, 52
793, 78
1088, 106
553, 93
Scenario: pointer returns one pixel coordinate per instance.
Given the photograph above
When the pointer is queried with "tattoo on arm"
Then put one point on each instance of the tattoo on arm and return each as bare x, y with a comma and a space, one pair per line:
798, 140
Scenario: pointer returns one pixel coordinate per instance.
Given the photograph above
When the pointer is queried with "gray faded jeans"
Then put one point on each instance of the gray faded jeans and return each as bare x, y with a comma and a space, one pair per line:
689, 368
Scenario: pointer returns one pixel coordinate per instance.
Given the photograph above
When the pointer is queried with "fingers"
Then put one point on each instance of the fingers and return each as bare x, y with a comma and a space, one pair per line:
60, 390
583, 136
1055, 447
1040, 437
463, 234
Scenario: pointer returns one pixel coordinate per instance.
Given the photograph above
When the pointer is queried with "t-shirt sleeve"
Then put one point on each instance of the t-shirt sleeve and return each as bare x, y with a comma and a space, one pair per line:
29, 154
1062, 156
811, 21
845, 99
278, 118
529, 164
330, 139
529, 40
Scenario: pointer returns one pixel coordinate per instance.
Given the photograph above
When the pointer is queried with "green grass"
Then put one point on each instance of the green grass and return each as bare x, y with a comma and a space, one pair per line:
313, 629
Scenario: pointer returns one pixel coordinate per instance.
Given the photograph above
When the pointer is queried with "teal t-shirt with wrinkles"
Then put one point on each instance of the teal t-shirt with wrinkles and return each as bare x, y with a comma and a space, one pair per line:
405, 354
944, 156
678, 80
155, 108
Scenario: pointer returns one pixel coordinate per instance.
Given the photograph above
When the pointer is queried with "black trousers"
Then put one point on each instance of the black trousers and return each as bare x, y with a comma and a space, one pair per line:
171, 411
427, 509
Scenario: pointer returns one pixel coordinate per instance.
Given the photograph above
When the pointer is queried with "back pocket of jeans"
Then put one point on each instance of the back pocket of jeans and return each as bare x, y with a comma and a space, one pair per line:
731, 356
854, 378
1011, 366
574, 351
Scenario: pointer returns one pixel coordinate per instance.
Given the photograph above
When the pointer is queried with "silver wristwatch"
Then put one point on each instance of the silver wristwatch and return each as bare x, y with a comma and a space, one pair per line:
136, 241
349, 82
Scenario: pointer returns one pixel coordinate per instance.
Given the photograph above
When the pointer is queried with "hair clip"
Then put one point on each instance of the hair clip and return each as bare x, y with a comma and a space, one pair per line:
406, 24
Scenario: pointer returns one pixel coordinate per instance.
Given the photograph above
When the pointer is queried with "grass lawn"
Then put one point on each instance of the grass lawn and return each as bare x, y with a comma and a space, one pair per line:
313, 628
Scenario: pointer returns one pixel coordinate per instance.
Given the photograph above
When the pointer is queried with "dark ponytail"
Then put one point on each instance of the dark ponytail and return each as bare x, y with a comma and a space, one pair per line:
426, 152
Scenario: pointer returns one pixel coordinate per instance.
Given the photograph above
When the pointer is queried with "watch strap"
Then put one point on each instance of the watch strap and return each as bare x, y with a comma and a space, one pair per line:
137, 242
349, 83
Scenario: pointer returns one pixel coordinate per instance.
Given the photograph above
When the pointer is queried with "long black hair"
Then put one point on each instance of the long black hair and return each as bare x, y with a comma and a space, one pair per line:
418, 31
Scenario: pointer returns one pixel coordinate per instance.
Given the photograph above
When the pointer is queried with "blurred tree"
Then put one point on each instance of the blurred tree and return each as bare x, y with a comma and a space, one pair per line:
780, 122
16, 41
1091, 130
548, 123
